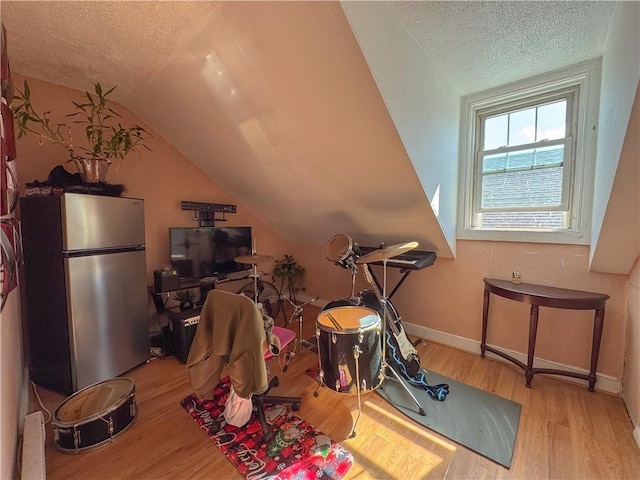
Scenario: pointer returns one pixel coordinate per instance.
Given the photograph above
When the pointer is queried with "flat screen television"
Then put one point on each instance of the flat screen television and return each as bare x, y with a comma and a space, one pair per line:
200, 252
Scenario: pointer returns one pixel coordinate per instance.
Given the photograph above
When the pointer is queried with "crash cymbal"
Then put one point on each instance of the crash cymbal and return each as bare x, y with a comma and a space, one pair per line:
387, 252
254, 259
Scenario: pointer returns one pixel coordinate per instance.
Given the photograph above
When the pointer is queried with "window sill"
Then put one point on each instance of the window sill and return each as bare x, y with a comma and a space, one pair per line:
567, 237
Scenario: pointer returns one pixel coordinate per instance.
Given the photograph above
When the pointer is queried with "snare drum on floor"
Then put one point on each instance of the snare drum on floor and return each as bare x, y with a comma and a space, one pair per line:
349, 349
94, 415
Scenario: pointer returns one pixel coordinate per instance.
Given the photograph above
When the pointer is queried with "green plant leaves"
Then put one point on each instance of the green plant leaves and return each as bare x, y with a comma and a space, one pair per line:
104, 139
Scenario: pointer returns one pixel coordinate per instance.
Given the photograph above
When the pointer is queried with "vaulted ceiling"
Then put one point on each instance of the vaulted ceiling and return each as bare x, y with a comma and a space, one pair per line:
282, 105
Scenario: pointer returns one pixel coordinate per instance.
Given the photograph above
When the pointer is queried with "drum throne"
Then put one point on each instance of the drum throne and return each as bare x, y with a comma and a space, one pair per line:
231, 334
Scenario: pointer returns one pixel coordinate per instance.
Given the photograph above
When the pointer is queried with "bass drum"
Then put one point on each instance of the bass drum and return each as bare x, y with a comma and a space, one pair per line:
95, 415
349, 349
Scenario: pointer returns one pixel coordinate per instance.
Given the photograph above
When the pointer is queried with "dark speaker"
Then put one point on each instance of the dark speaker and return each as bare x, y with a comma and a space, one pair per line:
165, 281
182, 329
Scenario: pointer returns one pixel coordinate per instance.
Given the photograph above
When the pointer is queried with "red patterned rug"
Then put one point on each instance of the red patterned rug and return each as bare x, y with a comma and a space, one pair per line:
298, 450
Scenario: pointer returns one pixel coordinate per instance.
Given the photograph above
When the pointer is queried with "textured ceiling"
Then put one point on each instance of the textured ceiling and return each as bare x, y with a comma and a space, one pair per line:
478, 45
77, 43
305, 118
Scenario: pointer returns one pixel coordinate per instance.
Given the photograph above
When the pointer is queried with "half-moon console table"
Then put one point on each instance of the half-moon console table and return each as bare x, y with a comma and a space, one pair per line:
545, 296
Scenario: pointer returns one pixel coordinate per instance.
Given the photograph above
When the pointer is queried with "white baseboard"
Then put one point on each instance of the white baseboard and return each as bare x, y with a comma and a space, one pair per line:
25, 406
604, 383
636, 435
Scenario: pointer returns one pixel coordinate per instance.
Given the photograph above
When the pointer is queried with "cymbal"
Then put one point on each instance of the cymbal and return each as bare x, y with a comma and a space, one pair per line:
387, 252
254, 259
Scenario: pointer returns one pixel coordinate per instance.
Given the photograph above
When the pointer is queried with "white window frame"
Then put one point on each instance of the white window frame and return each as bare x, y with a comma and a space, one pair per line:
579, 174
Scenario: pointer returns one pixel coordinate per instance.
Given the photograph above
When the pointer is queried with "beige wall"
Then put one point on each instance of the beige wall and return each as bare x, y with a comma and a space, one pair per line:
631, 379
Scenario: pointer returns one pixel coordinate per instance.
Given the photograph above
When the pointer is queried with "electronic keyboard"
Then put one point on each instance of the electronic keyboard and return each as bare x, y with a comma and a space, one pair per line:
412, 260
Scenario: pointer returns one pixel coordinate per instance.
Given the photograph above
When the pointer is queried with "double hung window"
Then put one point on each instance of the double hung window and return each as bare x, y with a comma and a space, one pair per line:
526, 158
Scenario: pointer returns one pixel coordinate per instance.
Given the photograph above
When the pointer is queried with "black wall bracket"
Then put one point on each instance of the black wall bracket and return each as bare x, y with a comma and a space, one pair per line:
206, 212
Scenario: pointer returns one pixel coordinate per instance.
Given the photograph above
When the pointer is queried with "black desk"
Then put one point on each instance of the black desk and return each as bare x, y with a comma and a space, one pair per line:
159, 302
545, 296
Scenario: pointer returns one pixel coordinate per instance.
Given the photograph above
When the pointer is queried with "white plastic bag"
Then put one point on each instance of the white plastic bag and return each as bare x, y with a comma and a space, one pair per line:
237, 410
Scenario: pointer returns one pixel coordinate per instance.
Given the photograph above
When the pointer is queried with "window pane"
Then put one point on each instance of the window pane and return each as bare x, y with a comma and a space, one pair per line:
547, 156
509, 161
523, 188
522, 127
524, 159
495, 132
523, 220
495, 163
552, 121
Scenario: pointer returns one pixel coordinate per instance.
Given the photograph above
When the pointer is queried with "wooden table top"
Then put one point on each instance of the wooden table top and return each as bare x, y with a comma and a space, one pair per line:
545, 295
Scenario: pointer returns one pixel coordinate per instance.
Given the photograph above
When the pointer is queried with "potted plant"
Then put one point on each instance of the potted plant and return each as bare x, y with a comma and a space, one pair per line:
288, 270
186, 297
106, 139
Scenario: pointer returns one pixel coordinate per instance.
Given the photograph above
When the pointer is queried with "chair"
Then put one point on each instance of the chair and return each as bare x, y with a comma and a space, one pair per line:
231, 332
285, 337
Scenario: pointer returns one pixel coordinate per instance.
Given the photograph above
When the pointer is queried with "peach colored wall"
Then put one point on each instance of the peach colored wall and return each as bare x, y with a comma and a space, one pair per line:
163, 178
448, 297
631, 379
322, 277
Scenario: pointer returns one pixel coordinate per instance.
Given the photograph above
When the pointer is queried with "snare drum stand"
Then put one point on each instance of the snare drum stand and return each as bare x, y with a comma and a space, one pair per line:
384, 365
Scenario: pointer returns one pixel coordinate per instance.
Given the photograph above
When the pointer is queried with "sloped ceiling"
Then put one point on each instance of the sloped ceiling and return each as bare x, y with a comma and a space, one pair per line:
275, 101
291, 122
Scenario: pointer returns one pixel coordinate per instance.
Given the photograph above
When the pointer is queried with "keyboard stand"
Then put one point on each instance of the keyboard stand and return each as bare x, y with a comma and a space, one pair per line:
425, 259
405, 274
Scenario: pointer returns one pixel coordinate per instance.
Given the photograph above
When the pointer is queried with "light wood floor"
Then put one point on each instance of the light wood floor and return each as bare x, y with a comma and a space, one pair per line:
565, 432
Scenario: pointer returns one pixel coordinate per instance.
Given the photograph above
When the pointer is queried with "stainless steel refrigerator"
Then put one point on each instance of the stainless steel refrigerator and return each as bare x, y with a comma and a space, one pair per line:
85, 288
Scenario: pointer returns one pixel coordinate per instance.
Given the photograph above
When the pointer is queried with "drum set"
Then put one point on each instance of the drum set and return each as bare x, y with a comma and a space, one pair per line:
351, 338
351, 333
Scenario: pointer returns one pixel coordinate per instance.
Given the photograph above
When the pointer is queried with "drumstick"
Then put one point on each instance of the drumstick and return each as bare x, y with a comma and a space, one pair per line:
335, 323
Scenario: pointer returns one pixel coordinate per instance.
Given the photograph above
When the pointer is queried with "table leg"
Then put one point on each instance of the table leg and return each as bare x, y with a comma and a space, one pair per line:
598, 323
533, 330
485, 318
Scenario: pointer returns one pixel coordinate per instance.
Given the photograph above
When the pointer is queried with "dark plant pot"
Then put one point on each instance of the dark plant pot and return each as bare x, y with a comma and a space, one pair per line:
186, 306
